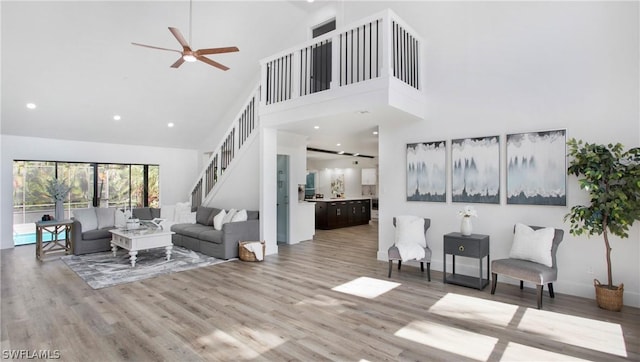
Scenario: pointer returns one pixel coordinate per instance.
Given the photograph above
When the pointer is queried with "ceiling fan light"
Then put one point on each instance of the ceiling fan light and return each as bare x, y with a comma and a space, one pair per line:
189, 58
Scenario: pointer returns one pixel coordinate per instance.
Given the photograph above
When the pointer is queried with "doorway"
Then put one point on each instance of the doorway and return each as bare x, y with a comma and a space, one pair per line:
282, 230
321, 58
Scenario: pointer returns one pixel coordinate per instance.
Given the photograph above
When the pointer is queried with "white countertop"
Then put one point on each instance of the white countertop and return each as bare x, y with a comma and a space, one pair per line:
326, 199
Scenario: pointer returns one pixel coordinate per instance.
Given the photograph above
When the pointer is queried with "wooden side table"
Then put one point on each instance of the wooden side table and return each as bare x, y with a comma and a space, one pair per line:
472, 246
61, 237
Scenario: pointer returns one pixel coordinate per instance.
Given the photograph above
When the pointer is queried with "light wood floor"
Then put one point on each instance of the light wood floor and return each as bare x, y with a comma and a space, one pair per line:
285, 309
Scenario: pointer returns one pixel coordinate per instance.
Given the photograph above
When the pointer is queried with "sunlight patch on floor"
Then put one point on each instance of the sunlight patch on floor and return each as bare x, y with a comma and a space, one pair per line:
474, 309
577, 331
464, 343
254, 342
366, 287
520, 352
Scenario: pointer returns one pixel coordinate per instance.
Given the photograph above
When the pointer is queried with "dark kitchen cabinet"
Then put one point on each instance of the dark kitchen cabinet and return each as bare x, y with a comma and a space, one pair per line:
332, 214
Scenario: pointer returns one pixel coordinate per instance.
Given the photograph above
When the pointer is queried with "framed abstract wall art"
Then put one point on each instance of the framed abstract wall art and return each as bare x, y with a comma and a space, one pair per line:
426, 171
475, 168
537, 168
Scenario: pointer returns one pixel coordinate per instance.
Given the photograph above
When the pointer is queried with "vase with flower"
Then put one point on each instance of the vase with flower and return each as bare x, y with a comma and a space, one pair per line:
466, 228
58, 192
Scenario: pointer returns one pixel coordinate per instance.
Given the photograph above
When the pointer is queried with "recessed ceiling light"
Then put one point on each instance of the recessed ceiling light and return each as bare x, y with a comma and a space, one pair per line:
341, 152
316, 127
170, 124
310, 1
375, 132
117, 117
357, 154
31, 105
337, 144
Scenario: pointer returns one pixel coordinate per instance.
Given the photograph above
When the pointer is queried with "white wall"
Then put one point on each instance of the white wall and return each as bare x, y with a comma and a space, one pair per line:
239, 188
494, 68
326, 169
301, 214
178, 167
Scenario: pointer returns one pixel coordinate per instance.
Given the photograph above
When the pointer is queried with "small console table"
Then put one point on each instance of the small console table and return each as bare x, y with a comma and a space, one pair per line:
472, 246
61, 239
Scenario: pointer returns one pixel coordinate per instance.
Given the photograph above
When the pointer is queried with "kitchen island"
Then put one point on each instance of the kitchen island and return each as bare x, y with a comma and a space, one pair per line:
343, 212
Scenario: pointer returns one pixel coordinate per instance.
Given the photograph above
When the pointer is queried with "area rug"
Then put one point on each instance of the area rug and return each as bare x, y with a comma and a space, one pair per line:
102, 270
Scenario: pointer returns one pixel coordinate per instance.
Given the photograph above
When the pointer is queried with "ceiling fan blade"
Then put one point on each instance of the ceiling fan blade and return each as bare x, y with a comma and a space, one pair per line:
152, 47
177, 63
211, 62
179, 36
217, 50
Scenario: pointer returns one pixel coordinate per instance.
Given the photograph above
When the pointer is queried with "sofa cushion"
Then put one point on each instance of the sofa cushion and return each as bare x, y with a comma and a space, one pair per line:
241, 215
217, 220
142, 213
193, 230
96, 234
252, 215
212, 236
203, 214
182, 213
155, 212
86, 217
106, 217
214, 212
227, 218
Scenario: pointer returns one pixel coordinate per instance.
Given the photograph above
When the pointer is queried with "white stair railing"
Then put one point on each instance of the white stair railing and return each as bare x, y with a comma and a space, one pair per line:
237, 136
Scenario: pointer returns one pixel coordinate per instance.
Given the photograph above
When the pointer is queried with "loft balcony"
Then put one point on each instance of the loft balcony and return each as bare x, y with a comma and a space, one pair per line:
370, 64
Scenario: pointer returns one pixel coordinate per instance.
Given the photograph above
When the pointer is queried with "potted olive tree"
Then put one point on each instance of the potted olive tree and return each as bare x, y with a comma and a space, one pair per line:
611, 176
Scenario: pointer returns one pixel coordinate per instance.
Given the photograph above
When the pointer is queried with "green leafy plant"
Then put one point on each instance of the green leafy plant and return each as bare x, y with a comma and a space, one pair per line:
612, 178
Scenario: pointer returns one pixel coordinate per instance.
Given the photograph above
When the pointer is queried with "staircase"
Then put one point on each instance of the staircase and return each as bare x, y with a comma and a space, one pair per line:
372, 63
238, 136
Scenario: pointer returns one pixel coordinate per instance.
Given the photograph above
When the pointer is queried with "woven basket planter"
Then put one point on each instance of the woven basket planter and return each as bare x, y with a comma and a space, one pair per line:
246, 255
609, 299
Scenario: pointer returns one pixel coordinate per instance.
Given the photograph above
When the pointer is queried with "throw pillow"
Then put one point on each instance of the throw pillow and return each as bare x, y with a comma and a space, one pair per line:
229, 216
240, 216
120, 219
142, 213
532, 245
86, 217
410, 230
202, 215
182, 213
217, 220
106, 217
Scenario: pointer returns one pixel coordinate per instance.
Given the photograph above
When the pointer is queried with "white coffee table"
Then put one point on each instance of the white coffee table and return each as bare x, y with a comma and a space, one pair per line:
141, 239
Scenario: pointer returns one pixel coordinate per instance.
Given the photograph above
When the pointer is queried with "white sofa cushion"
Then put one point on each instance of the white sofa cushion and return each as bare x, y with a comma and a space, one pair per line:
87, 217
106, 217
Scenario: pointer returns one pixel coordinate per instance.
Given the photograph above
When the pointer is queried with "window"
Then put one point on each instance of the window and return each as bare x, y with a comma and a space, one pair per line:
91, 185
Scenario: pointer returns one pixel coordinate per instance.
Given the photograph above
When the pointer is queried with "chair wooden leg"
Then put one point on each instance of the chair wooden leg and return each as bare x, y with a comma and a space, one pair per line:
429, 271
551, 294
422, 266
494, 281
399, 264
521, 284
390, 267
539, 295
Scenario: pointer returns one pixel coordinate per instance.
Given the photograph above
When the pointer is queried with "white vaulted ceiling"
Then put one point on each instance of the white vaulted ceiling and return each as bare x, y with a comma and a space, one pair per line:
75, 61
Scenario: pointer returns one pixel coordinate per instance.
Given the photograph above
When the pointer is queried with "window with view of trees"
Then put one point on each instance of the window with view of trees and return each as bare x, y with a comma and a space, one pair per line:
91, 184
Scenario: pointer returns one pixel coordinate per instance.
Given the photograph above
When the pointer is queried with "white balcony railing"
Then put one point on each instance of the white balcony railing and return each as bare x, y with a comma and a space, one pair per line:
381, 45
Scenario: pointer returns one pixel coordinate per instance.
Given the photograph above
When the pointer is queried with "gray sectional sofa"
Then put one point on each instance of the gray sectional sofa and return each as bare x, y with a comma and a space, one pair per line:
223, 244
98, 237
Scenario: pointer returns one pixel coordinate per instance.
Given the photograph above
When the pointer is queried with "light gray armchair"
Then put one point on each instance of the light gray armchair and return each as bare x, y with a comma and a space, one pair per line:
529, 271
394, 253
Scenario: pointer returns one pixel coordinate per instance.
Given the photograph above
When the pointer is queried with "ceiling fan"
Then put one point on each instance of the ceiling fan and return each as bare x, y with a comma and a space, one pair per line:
189, 55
